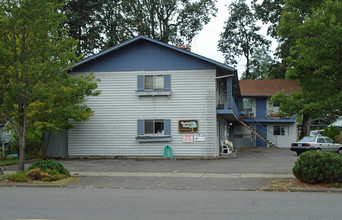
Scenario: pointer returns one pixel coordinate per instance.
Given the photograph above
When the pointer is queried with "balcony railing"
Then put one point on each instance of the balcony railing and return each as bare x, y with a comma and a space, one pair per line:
251, 117
223, 103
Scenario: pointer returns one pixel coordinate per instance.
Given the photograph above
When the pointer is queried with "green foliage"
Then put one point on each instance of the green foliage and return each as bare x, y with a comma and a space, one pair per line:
37, 92
240, 37
104, 23
331, 132
338, 139
260, 65
318, 167
19, 177
49, 164
315, 31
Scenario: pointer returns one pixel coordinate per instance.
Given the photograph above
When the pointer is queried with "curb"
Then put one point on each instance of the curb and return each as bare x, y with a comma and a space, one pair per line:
16, 185
301, 190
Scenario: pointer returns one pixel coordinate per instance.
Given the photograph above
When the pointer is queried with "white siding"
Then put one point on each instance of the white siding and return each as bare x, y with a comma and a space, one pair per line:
113, 128
284, 141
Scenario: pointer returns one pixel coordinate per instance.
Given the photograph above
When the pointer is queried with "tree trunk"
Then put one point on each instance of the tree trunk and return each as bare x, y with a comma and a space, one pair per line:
305, 126
22, 147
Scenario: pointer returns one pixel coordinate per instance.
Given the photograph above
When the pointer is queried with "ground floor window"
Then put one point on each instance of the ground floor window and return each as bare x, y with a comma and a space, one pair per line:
280, 130
154, 126
156, 129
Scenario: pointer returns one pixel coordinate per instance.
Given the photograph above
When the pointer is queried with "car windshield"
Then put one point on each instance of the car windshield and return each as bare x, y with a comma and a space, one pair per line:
308, 139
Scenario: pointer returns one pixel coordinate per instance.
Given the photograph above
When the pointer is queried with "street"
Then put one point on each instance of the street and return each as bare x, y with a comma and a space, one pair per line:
66, 203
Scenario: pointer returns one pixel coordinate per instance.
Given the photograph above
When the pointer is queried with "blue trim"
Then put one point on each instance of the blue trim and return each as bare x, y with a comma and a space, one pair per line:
264, 120
153, 137
167, 126
140, 126
124, 44
167, 82
140, 83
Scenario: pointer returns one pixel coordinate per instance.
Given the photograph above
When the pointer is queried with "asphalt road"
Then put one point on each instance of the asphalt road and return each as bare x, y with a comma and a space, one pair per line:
43, 203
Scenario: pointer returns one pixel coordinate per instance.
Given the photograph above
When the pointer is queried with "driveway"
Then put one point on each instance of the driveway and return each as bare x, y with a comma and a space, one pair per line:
249, 160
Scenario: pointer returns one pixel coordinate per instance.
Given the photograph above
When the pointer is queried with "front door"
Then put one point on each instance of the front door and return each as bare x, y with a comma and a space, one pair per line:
261, 129
260, 108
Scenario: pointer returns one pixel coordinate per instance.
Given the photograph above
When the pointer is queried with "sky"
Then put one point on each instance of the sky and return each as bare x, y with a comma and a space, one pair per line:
205, 43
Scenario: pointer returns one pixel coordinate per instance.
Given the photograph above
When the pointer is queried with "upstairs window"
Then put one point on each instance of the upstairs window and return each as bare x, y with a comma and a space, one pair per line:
154, 82
247, 104
153, 85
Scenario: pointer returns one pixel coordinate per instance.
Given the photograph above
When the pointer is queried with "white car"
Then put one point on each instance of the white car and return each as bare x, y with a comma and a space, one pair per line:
316, 143
316, 132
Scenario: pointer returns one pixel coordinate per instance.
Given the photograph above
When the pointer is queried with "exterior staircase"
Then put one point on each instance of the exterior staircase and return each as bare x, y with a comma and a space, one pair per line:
270, 144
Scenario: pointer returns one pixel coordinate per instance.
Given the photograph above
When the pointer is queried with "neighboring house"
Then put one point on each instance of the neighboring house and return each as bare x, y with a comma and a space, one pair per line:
259, 114
338, 123
155, 95
5, 135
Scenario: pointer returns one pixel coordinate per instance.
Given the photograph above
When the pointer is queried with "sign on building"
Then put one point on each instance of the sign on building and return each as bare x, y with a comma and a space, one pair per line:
188, 138
199, 137
188, 126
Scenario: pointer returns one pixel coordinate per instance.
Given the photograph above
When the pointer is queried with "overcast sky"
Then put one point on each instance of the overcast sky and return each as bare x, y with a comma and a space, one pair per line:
205, 43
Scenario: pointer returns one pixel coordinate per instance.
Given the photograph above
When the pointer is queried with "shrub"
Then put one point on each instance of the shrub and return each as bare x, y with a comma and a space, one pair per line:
50, 164
318, 167
331, 132
19, 177
338, 139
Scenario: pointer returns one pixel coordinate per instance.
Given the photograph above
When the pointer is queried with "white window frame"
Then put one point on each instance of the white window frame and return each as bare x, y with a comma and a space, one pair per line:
283, 128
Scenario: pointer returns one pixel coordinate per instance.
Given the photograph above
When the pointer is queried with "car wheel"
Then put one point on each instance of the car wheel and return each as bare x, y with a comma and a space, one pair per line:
318, 149
339, 151
298, 153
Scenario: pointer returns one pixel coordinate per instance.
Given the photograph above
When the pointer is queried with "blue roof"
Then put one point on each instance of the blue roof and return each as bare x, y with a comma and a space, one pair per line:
141, 37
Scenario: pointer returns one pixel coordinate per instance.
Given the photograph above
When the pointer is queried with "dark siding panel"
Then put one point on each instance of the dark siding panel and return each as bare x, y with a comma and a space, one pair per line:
144, 56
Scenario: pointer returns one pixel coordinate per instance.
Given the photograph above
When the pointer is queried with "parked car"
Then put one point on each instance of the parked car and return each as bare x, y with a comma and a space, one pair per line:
316, 143
316, 132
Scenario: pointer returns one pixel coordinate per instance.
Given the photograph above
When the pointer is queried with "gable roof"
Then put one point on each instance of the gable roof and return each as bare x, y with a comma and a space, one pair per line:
140, 38
267, 87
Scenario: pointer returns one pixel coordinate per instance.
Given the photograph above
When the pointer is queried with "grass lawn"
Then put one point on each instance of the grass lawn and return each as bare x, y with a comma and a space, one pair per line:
61, 182
283, 185
9, 160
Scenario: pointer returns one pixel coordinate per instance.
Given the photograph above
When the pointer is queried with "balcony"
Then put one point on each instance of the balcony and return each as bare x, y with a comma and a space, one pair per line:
226, 107
270, 117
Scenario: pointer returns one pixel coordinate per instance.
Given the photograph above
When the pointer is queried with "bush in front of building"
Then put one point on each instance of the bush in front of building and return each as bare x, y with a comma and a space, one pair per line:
41, 170
331, 132
318, 167
50, 164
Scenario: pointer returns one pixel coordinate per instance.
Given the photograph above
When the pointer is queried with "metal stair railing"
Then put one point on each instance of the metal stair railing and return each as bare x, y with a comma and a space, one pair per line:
257, 133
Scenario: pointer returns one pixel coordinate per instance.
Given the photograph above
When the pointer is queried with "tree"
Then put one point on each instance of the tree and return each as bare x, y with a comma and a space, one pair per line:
261, 63
240, 35
84, 24
105, 23
35, 56
315, 31
269, 12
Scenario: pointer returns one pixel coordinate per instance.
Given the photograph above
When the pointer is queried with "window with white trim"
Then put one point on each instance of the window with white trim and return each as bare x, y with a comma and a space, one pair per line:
280, 130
